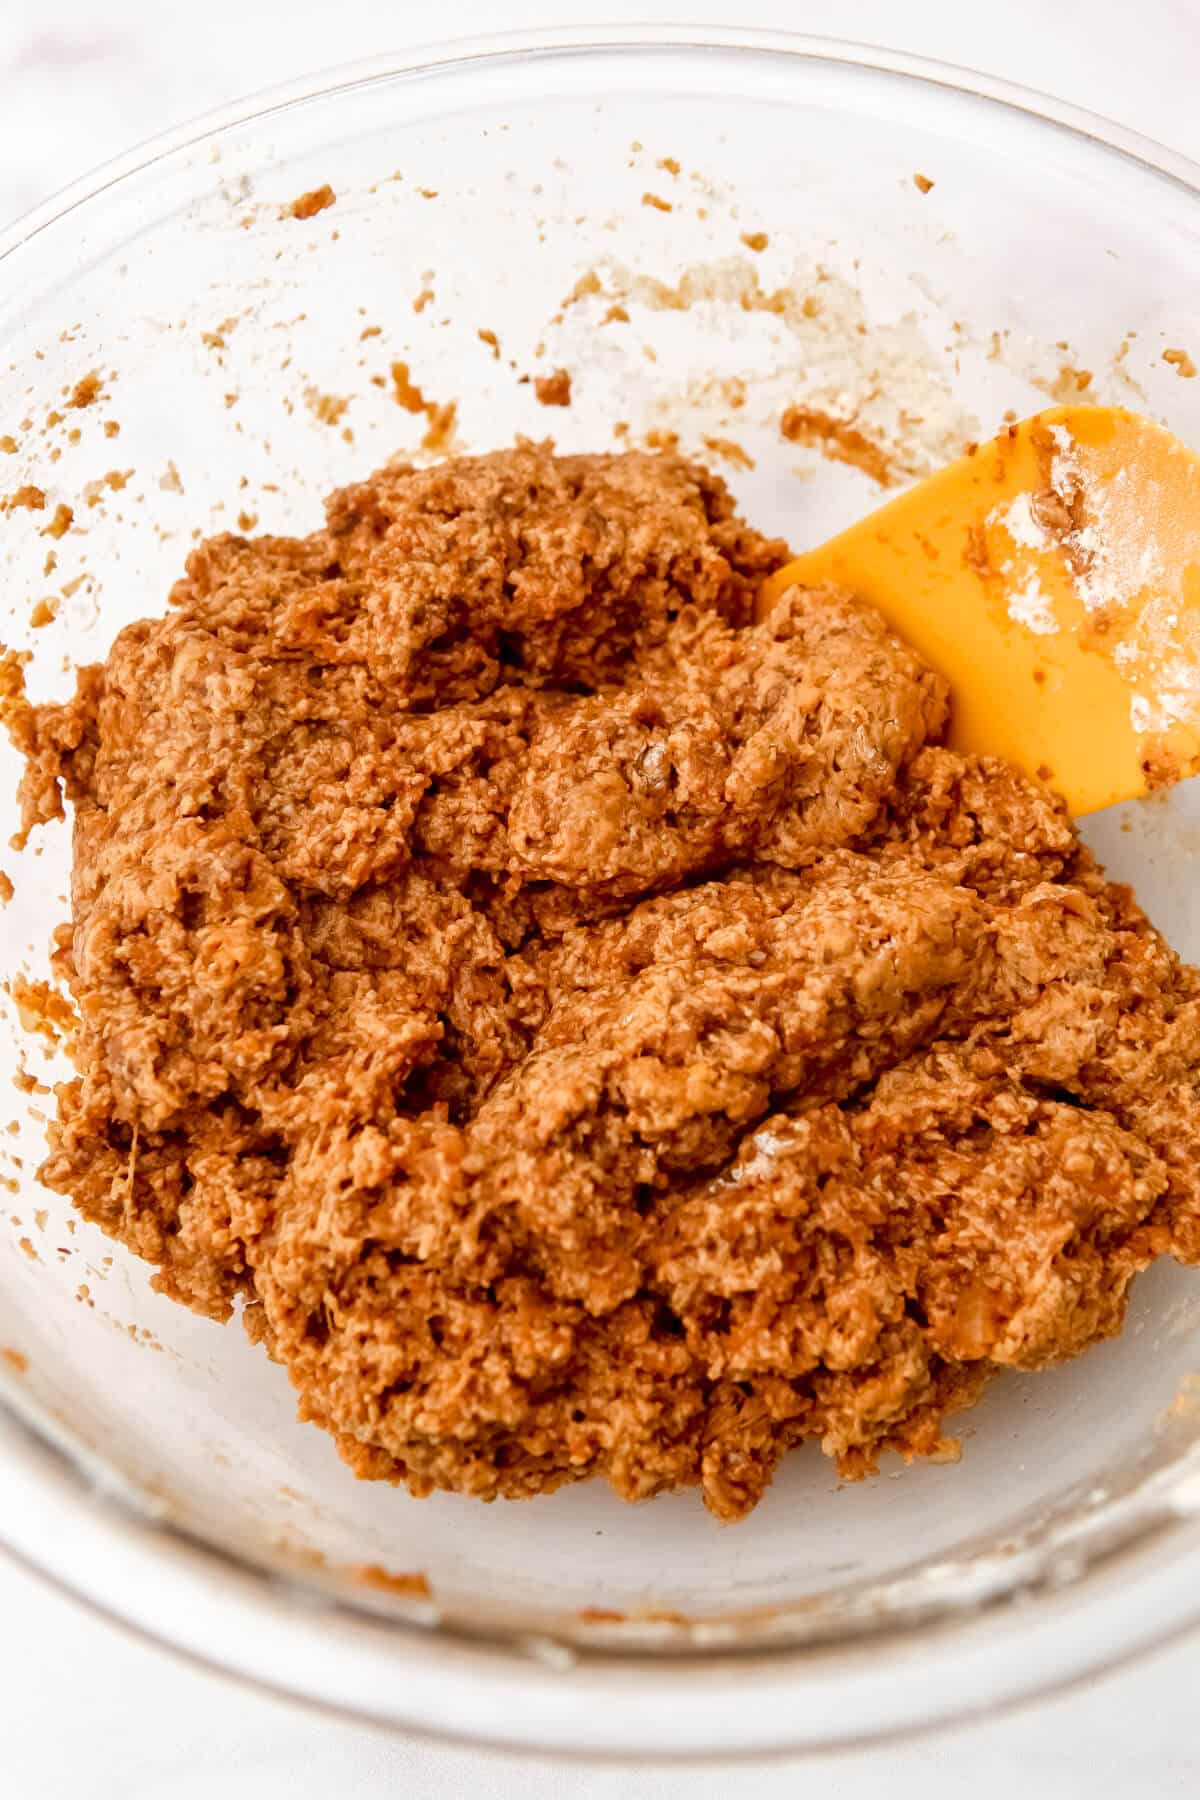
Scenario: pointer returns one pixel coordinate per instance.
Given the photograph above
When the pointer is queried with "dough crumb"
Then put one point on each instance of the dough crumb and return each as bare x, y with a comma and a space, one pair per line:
308, 205
86, 391
327, 408
840, 440
411, 1586
553, 389
28, 497
729, 451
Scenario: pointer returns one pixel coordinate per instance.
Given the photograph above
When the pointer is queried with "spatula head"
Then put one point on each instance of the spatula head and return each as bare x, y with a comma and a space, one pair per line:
1053, 576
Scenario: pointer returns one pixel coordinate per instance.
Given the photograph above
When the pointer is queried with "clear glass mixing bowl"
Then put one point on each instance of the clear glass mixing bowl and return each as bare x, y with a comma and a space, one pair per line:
537, 191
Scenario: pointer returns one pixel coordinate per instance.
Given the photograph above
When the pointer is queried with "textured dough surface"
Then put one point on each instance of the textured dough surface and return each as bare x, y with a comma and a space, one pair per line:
586, 1032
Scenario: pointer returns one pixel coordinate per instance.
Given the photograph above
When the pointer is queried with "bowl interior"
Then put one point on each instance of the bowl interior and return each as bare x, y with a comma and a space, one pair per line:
703, 241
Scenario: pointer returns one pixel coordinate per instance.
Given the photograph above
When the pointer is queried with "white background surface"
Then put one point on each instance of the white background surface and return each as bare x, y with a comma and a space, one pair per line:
86, 1711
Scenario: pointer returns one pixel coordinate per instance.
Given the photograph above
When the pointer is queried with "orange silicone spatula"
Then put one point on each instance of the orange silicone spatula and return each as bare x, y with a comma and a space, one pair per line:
1053, 576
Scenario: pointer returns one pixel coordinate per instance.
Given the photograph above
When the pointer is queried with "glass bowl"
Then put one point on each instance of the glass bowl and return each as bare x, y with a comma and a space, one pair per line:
704, 234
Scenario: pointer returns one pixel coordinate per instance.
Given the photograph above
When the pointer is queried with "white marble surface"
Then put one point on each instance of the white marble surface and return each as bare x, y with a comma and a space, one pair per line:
86, 1710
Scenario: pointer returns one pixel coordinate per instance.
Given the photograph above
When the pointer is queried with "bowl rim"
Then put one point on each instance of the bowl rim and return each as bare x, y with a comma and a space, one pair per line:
63, 1517
444, 54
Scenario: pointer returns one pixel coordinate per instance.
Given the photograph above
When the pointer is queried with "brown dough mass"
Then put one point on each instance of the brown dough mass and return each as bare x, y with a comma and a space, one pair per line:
591, 1033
